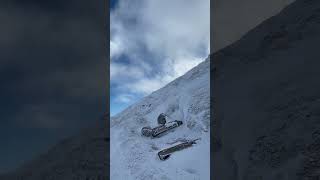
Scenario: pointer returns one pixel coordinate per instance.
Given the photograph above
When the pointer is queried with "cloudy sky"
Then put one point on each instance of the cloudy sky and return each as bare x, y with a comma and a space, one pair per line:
152, 43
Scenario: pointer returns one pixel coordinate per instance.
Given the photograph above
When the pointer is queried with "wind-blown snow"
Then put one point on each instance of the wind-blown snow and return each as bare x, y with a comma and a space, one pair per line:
134, 156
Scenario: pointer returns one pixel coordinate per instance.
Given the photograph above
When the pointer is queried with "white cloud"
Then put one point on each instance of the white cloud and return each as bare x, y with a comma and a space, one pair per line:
115, 49
148, 85
181, 66
120, 72
176, 35
125, 98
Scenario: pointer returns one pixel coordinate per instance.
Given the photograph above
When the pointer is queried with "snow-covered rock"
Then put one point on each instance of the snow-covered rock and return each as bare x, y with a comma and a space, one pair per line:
267, 100
134, 156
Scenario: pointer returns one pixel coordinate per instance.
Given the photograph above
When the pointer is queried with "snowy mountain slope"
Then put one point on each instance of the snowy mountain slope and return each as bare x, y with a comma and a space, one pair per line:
267, 99
81, 157
135, 157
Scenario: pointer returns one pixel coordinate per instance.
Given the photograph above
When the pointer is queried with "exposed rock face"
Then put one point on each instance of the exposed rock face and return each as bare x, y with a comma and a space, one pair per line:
267, 99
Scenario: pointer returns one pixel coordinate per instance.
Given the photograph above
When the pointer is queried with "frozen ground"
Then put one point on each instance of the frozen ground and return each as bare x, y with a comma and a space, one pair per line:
135, 157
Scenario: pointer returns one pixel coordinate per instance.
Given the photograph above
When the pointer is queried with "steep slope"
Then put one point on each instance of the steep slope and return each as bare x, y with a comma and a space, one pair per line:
267, 99
135, 157
81, 157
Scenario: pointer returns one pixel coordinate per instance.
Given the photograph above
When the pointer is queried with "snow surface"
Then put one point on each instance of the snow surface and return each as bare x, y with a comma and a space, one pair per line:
134, 156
